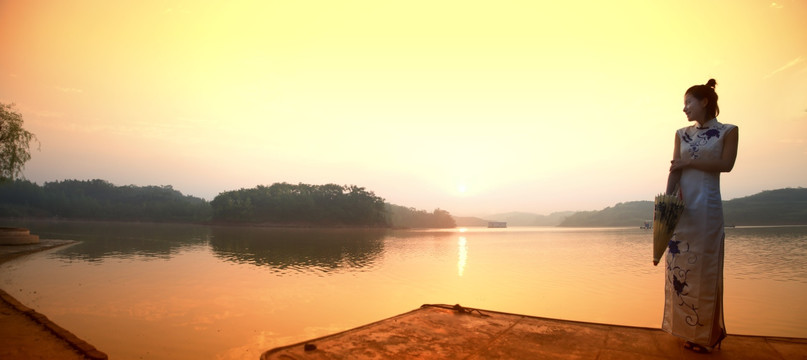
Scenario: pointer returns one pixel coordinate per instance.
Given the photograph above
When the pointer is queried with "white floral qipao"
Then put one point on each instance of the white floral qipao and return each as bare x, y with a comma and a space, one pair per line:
693, 306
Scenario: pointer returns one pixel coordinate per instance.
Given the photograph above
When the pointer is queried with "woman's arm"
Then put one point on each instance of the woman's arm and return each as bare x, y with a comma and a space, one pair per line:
675, 175
724, 164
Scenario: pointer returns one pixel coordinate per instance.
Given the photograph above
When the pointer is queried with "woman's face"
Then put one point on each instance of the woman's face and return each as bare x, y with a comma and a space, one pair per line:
694, 108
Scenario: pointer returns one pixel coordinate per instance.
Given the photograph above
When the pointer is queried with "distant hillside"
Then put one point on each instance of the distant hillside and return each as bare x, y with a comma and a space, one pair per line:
773, 207
516, 219
633, 213
528, 219
470, 221
407, 217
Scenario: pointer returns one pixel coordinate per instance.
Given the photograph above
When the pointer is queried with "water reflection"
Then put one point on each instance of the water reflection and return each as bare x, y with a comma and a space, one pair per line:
299, 249
463, 255
239, 290
768, 252
105, 240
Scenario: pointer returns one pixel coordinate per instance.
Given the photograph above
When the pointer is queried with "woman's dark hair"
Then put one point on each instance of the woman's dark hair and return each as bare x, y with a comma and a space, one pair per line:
706, 91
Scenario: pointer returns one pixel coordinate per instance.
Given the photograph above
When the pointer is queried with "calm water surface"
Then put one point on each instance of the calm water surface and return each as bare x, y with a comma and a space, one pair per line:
181, 291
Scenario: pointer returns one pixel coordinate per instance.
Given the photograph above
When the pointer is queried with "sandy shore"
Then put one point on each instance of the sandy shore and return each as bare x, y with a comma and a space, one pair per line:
27, 334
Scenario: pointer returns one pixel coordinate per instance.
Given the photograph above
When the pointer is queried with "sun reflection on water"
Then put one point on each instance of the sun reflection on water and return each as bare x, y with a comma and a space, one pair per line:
463, 255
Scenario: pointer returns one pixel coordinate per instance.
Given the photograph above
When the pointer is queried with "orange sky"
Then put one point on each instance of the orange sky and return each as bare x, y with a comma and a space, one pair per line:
525, 105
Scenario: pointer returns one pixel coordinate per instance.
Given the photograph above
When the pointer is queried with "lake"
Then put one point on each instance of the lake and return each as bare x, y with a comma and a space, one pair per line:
167, 291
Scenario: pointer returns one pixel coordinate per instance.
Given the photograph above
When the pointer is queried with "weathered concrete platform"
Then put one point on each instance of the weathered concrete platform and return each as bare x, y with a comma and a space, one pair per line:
453, 332
17, 236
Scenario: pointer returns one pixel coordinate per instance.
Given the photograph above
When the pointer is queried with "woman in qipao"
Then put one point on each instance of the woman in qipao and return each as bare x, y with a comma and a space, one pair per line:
693, 306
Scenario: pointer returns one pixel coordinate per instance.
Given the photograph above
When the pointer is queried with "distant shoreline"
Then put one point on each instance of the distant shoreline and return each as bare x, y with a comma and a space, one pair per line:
316, 227
209, 223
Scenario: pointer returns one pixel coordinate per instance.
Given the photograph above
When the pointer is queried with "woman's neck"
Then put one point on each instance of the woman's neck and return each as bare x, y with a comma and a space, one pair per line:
702, 122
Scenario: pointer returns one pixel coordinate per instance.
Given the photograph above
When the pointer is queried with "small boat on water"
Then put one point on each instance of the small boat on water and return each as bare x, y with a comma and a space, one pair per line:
497, 224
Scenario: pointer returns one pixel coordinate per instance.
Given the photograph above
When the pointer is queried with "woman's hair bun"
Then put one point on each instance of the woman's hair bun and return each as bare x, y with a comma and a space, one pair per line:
711, 83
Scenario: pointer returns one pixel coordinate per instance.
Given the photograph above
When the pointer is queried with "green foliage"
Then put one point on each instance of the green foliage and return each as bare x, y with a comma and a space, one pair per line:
280, 204
403, 217
99, 200
302, 204
14, 143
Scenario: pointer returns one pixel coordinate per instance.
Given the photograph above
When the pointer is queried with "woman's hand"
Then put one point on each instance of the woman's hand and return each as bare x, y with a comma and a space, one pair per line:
679, 164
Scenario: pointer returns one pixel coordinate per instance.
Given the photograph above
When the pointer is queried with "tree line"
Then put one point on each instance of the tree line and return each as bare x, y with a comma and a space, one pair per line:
303, 204
99, 200
280, 204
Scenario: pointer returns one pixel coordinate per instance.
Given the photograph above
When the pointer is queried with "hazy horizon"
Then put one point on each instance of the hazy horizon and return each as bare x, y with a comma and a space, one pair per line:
478, 215
476, 108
